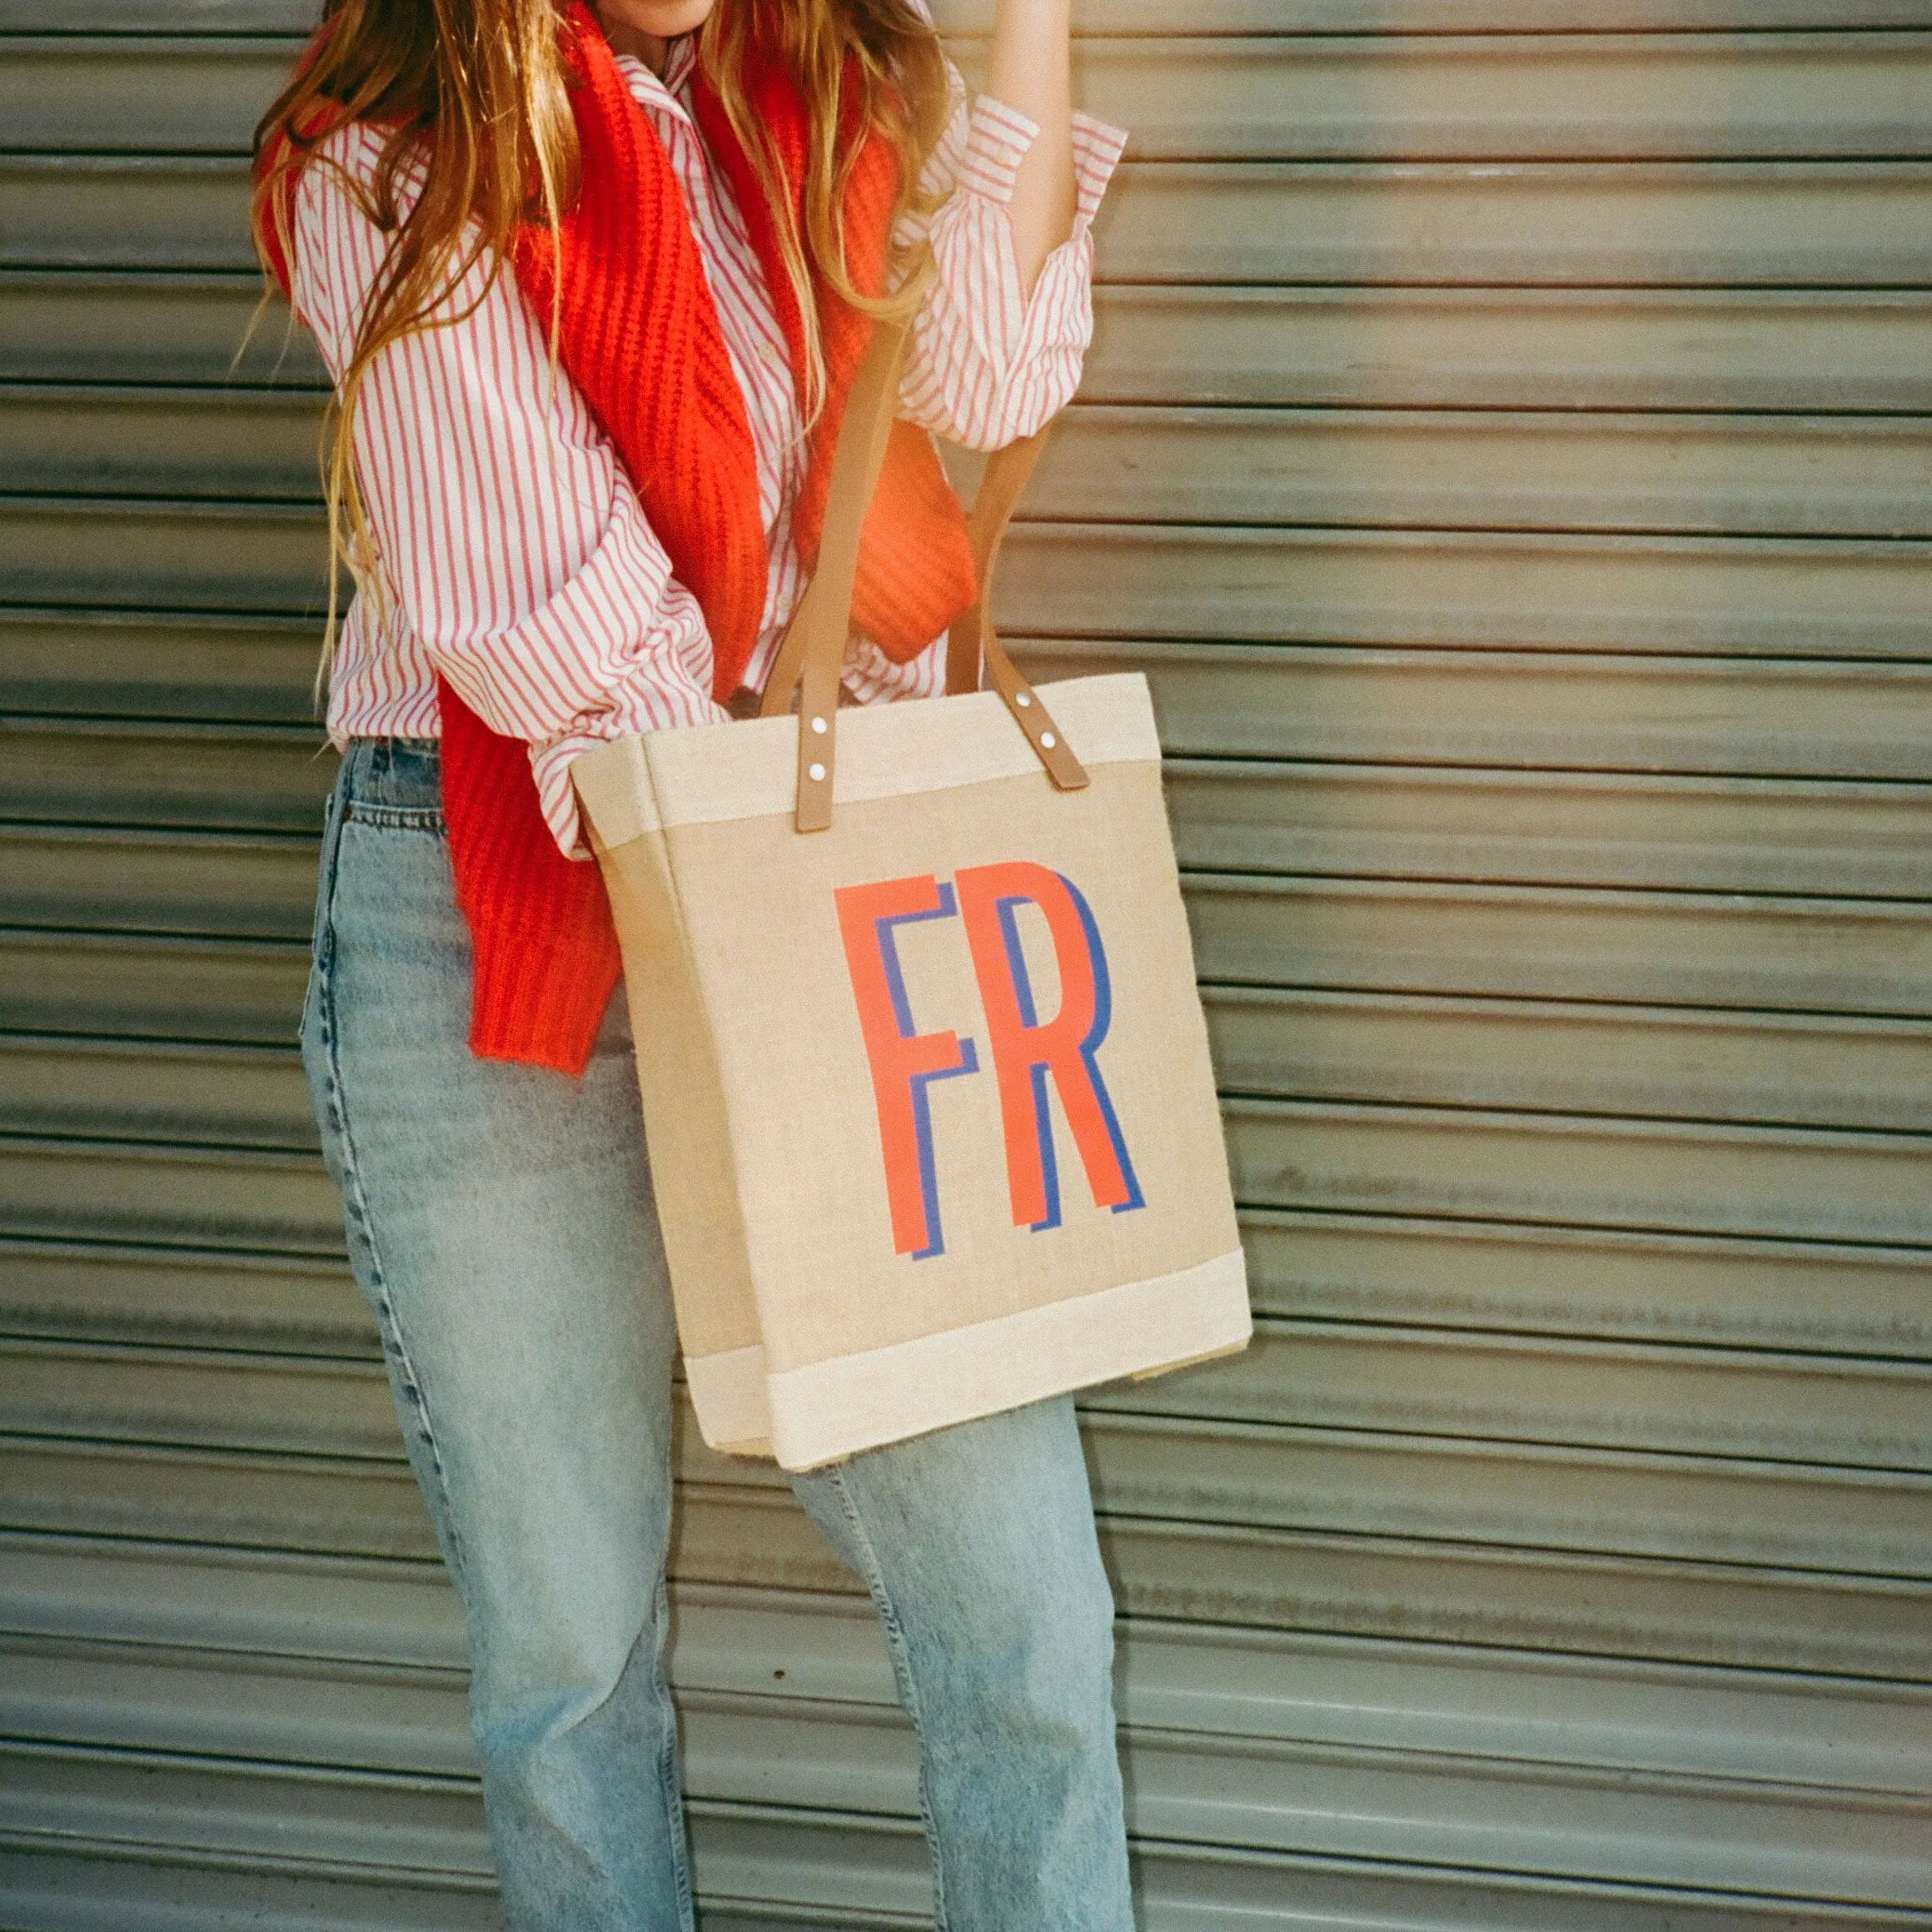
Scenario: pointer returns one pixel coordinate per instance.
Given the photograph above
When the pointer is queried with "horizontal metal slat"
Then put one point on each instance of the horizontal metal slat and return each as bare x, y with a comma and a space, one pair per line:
1850, 476
1314, 1579
1807, 1184
330, 1505
298, 1405
153, 441
1409, 16
1785, 597
741, 1532
1847, 476
101, 1840
245, 1608
1537, 95
1410, 347
1796, 1183
124, 92
1355, 1268
243, 991
1657, 1062
757, 1869
134, 1117
1284, 1793
151, 327
1691, 1401
160, 664
199, 555
1635, 348
102, 1292
233, 885
127, 1191
89, 211
1416, 822
1104, 17
1705, 834
775, 1871
1796, 597
251, 778
1349, 1478
1692, 225
1639, 1284
58, 1800
1573, 711
1746, 1403
1205, 1480
1616, 97
1569, 711
1663, 223
1667, 948
1593, 1500
220, 1095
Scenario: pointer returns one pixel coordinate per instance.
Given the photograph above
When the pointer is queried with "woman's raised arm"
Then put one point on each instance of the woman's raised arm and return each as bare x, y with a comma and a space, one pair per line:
1031, 71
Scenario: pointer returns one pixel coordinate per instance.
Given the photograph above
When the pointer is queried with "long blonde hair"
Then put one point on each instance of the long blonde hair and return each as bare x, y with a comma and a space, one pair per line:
469, 97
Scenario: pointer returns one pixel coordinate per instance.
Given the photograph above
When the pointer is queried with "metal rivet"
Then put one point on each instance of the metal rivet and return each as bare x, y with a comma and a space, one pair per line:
1047, 739
818, 724
816, 773
1023, 698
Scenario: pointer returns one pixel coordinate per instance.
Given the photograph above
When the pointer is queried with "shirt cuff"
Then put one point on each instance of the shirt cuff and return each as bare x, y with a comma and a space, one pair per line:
642, 704
1097, 152
996, 139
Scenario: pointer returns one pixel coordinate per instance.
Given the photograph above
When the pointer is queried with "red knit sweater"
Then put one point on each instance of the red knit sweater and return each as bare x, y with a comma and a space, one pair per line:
640, 337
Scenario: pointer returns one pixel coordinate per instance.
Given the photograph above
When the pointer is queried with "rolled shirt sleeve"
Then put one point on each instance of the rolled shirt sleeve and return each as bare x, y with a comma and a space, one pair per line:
989, 363
503, 528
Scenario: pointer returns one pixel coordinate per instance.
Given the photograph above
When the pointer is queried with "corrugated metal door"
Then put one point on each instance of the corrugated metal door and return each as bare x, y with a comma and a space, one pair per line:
1505, 450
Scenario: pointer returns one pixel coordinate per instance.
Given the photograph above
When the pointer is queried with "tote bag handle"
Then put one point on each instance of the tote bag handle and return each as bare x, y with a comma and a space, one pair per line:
813, 654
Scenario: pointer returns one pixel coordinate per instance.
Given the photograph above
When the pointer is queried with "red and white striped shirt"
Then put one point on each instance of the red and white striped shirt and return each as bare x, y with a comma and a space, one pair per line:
513, 554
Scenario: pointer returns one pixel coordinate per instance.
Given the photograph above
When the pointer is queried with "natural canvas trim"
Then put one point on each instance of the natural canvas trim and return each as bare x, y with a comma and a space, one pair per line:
834, 1409
728, 1392
613, 787
706, 774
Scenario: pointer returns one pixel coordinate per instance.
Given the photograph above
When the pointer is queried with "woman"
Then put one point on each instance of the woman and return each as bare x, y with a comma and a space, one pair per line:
592, 287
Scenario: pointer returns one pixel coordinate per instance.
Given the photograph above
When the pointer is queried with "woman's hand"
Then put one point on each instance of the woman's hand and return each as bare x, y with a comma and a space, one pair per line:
1030, 71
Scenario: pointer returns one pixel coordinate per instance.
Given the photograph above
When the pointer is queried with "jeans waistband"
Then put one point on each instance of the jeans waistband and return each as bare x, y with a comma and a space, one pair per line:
403, 773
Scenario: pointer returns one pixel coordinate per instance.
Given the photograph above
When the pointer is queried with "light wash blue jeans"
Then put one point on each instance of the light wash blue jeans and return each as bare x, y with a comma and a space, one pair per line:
501, 1222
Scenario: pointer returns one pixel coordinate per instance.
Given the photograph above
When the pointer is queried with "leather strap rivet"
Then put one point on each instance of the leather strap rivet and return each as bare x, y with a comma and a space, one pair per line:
1047, 739
816, 773
818, 726
1022, 698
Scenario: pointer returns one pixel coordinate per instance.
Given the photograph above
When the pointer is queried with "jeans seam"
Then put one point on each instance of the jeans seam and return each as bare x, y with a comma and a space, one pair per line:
354, 1202
428, 818
671, 1784
895, 1640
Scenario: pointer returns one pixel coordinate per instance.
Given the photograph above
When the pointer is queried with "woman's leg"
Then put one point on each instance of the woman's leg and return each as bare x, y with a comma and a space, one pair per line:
977, 1545
501, 1223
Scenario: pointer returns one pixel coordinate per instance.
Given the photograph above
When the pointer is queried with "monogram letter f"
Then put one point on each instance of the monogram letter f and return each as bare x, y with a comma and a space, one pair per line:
902, 1060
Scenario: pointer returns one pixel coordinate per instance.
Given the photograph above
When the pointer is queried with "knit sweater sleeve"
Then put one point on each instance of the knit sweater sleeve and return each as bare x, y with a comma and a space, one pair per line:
503, 531
990, 363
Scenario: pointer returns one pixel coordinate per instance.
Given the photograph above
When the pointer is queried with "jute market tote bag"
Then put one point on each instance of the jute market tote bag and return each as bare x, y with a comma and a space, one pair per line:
925, 1076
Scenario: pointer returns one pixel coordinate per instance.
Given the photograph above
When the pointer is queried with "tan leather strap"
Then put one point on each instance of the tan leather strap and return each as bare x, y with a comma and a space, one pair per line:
972, 646
813, 650
813, 654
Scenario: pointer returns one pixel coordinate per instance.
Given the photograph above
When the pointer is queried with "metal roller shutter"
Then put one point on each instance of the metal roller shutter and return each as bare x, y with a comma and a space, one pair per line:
1505, 450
